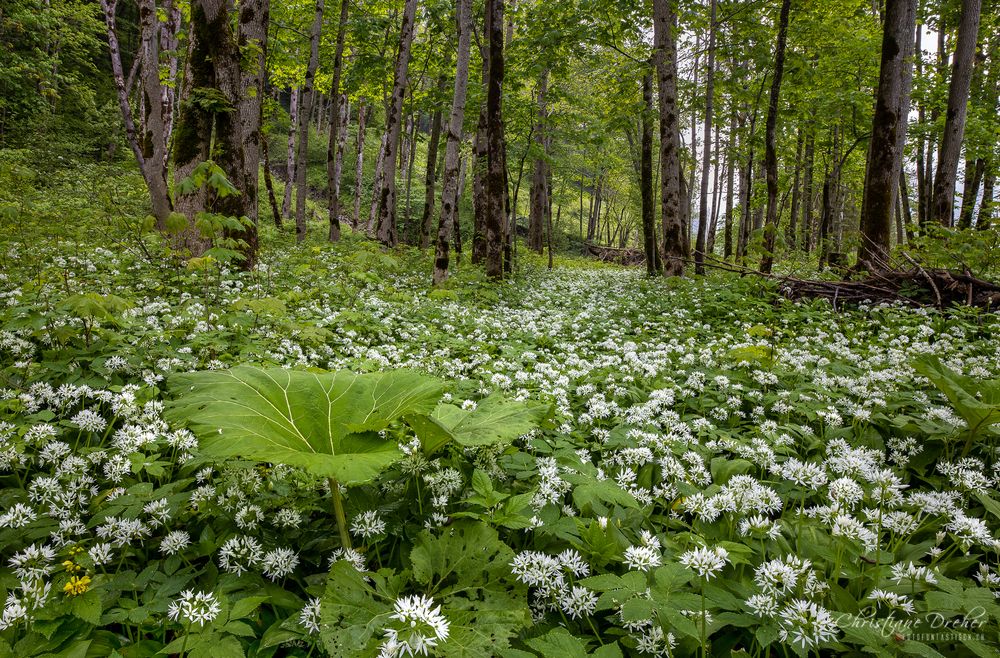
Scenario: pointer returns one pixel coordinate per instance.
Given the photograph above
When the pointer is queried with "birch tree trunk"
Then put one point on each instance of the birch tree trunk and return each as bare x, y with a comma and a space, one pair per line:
305, 112
359, 161
450, 179
943, 197
706, 161
293, 119
332, 175
386, 212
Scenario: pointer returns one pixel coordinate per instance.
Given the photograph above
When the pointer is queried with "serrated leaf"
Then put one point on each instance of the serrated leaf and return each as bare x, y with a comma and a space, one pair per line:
559, 642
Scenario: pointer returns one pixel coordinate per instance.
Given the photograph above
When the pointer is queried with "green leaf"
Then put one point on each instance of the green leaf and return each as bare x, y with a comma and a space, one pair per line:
978, 402
244, 607
325, 423
350, 613
559, 642
494, 420
466, 568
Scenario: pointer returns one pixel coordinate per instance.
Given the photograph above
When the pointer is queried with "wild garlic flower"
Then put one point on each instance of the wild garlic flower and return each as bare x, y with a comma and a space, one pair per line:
279, 563
706, 562
194, 608
642, 558
806, 624
240, 554
174, 542
368, 524
309, 617
416, 627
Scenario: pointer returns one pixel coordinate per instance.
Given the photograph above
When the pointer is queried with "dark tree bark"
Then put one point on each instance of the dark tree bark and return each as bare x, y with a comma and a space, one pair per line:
986, 209
713, 224
332, 173
699, 250
204, 130
943, 199
450, 179
665, 56
885, 152
254, 17
646, 177
305, 112
386, 213
495, 183
536, 215
770, 148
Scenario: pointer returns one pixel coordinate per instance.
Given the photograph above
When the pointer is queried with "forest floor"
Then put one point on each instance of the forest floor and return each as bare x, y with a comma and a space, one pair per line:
719, 466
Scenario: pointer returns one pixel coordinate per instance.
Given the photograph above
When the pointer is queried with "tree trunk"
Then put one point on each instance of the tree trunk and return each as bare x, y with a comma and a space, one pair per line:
539, 174
885, 153
970, 191
495, 183
713, 223
985, 218
731, 160
359, 162
206, 132
290, 163
646, 177
770, 148
430, 175
665, 54
410, 162
450, 178
791, 235
150, 144
254, 17
943, 199
808, 192
386, 213
332, 169
269, 182
305, 112
706, 160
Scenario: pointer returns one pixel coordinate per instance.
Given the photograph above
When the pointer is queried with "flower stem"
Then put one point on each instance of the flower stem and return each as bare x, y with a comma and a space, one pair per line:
338, 512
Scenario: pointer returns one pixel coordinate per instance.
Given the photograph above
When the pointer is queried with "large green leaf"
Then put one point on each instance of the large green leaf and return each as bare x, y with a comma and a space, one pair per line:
978, 402
466, 568
494, 420
324, 422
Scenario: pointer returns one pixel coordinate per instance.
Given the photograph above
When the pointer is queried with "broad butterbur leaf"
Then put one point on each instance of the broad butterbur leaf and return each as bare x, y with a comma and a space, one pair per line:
494, 420
324, 422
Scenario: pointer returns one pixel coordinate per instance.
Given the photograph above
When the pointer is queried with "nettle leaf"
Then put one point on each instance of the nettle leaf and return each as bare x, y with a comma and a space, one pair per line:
494, 420
466, 568
323, 422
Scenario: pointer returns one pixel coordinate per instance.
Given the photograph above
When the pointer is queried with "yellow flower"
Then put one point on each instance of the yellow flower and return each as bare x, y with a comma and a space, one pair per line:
75, 550
77, 585
71, 566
